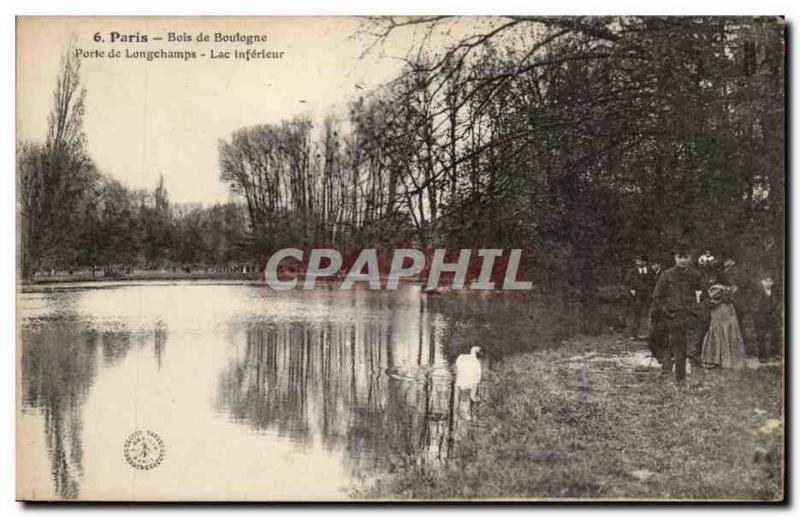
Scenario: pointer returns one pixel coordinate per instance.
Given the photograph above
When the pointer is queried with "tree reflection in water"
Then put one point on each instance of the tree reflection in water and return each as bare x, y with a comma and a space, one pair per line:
60, 361
365, 376
378, 389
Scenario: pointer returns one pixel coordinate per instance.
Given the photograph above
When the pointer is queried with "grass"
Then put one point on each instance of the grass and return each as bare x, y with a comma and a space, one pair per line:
562, 424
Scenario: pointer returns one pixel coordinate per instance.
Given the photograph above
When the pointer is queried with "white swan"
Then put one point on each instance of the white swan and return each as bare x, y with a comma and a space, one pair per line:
468, 370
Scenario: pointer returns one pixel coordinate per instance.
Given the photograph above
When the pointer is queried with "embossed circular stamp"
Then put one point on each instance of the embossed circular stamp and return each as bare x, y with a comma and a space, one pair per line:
144, 450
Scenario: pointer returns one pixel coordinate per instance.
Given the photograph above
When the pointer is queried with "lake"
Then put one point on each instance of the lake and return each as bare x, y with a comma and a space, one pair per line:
255, 394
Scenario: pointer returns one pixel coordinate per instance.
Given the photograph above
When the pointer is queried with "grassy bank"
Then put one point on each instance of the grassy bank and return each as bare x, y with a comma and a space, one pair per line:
589, 421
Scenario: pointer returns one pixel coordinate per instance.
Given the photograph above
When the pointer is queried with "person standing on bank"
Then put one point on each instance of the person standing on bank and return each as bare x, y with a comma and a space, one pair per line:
741, 289
705, 264
676, 298
767, 319
657, 341
639, 286
723, 346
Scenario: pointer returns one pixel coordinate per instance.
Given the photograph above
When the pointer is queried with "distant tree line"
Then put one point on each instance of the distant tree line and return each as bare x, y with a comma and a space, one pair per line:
73, 216
587, 140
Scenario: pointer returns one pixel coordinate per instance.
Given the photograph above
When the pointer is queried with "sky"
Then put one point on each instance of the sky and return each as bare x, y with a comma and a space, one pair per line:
167, 116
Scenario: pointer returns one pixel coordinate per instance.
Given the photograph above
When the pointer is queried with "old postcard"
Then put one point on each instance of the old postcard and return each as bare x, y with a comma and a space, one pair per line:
435, 258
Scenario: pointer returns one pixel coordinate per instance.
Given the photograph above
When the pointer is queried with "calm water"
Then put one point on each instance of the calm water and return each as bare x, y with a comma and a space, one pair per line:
256, 394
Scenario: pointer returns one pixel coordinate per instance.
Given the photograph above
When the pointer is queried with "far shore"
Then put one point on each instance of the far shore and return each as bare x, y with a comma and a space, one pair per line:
611, 293
82, 277
254, 276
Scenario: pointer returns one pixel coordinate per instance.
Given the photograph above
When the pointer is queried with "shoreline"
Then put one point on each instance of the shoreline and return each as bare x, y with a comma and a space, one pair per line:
150, 275
227, 277
592, 420
444, 286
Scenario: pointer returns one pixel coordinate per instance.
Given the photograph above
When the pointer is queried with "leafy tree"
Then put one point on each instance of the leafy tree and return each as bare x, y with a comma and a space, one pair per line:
54, 178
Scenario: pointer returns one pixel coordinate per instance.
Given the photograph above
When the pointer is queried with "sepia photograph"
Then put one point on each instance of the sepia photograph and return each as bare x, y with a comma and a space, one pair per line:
401, 259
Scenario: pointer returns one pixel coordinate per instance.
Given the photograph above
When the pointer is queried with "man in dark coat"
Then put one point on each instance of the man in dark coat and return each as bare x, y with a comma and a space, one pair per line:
638, 282
657, 341
676, 298
767, 318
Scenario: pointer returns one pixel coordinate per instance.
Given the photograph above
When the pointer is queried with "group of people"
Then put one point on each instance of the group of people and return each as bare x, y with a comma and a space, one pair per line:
696, 311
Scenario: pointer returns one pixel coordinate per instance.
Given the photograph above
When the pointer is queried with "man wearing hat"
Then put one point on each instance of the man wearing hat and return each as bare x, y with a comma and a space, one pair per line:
767, 315
676, 299
638, 282
657, 341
